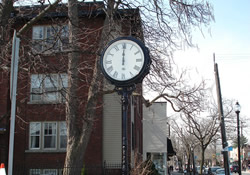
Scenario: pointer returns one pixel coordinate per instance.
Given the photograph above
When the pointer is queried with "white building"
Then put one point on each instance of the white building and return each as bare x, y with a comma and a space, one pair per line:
156, 131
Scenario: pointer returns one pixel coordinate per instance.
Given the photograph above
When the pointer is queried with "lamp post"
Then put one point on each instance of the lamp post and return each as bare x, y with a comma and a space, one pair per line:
237, 111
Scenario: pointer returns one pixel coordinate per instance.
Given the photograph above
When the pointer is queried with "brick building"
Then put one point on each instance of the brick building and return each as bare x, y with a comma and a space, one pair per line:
40, 130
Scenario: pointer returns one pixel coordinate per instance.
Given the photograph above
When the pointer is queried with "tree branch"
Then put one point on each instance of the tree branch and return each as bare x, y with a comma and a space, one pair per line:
35, 19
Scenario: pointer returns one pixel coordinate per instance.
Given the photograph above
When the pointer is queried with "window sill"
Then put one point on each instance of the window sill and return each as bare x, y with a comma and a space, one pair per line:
44, 102
46, 151
51, 52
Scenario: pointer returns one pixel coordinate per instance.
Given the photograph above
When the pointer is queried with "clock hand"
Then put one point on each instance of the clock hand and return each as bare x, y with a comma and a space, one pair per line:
123, 57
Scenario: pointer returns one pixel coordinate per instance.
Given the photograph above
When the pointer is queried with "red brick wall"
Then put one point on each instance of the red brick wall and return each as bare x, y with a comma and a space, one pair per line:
27, 112
4, 116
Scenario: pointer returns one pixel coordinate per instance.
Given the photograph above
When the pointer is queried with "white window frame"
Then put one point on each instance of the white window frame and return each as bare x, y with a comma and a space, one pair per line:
45, 172
35, 172
62, 133
50, 171
42, 135
35, 135
49, 88
50, 38
52, 134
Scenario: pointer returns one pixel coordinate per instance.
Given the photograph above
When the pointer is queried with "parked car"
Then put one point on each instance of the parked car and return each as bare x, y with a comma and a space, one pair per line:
206, 170
198, 169
220, 171
234, 168
212, 170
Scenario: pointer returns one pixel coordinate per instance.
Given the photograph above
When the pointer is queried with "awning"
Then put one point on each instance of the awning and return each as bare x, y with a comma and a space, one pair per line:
171, 151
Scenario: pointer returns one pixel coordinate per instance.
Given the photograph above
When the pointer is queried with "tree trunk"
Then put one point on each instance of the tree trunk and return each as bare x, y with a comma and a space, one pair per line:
189, 161
79, 127
5, 13
6, 8
75, 146
202, 159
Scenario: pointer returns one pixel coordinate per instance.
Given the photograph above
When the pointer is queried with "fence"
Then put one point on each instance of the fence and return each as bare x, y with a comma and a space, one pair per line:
104, 169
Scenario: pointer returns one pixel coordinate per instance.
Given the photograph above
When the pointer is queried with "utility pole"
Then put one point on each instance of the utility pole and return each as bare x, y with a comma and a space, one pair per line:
221, 115
13, 90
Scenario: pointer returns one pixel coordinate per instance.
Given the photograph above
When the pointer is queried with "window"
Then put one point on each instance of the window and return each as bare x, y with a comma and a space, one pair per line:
50, 171
50, 38
48, 88
45, 172
48, 135
158, 160
63, 135
35, 171
35, 129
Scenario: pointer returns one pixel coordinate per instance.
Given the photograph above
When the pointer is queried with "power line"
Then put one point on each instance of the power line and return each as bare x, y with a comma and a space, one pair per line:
232, 56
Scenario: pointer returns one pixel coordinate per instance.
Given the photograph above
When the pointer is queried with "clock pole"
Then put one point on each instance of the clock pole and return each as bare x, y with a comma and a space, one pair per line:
125, 92
124, 99
125, 62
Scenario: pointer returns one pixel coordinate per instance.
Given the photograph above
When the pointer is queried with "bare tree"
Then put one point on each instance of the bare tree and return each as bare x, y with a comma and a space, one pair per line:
200, 128
180, 148
205, 125
185, 99
165, 25
188, 141
6, 7
204, 130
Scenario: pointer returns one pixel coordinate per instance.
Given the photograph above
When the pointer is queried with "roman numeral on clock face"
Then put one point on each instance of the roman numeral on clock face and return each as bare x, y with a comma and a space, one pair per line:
123, 76
108, 62
116, 48
137, 52
109, 69
115, 74
131, 74
124, 45
136, 67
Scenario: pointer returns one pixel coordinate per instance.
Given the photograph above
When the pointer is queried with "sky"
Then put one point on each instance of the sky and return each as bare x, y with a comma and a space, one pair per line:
229, 39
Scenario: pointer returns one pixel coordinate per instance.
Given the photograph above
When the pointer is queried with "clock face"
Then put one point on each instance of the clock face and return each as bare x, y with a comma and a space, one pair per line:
123, 60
